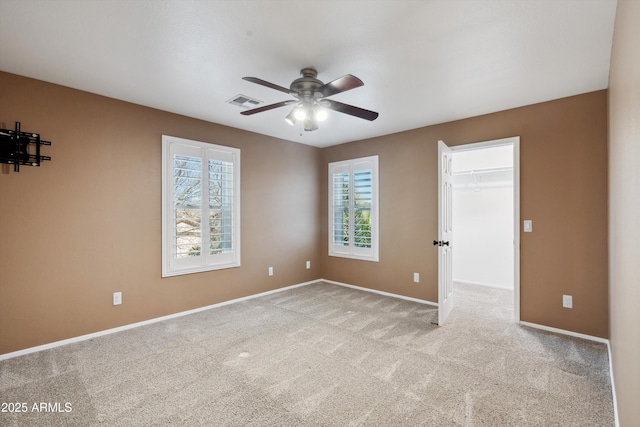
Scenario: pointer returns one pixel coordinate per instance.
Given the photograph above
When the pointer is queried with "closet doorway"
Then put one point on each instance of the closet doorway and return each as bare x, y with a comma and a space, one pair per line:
486, 216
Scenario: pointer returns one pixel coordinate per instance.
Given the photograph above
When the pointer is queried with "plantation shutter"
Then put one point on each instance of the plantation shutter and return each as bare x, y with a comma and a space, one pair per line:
201, 206
186, 232
353, 216
223, 195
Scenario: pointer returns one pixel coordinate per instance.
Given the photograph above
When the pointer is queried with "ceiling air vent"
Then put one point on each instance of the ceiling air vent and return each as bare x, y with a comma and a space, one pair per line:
244, 101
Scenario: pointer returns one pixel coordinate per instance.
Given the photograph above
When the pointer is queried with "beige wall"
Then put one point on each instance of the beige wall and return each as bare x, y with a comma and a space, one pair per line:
88, 223
624, 209
563, 157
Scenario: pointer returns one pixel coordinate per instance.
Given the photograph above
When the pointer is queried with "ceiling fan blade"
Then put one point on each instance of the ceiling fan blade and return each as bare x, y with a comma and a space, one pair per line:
267, 84
349, 109
267, 107
341, 84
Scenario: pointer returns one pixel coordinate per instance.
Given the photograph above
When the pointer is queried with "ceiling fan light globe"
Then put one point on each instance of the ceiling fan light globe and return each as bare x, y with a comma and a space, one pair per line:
299, 113
320, 114
310, 124
290, 119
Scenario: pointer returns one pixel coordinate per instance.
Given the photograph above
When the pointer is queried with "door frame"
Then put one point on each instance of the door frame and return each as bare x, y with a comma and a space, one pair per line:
515, 142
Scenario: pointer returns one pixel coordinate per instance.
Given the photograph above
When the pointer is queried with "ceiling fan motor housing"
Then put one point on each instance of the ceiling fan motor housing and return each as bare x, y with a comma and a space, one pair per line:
305, 87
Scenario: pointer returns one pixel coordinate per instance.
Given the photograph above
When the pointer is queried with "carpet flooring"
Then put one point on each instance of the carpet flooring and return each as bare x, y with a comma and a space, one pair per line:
319, 355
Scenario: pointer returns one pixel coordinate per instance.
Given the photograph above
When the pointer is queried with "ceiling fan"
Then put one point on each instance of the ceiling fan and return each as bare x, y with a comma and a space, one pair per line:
311, 99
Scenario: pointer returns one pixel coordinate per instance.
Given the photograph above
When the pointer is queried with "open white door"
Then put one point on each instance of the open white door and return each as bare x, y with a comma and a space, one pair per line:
445, 226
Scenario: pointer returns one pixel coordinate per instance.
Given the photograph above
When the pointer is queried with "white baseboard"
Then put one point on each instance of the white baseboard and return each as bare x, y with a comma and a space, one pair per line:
144, 322
613, 386
464, 282
565, 332
387, 294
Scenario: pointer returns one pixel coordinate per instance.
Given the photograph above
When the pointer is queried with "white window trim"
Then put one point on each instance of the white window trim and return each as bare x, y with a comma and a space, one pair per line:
365, 254
170, 265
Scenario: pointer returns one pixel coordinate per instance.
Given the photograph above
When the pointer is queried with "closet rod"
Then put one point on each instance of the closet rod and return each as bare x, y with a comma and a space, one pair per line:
487, 170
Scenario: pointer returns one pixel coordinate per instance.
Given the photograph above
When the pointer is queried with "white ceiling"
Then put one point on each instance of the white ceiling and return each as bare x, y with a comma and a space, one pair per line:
422, 62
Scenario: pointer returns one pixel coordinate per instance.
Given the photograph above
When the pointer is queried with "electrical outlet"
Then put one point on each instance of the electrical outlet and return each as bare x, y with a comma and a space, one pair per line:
117, 298
416, 277
270, 271
567, 301
308, 265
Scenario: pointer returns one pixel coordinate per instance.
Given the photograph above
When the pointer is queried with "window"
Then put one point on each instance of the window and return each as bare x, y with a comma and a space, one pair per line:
200, 206
353, 208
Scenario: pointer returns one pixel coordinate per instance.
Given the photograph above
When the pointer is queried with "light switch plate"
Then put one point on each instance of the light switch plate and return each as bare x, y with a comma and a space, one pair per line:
528, 226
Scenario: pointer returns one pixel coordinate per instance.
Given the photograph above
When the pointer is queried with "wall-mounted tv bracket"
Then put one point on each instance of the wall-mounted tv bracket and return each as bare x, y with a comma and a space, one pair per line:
21, 148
